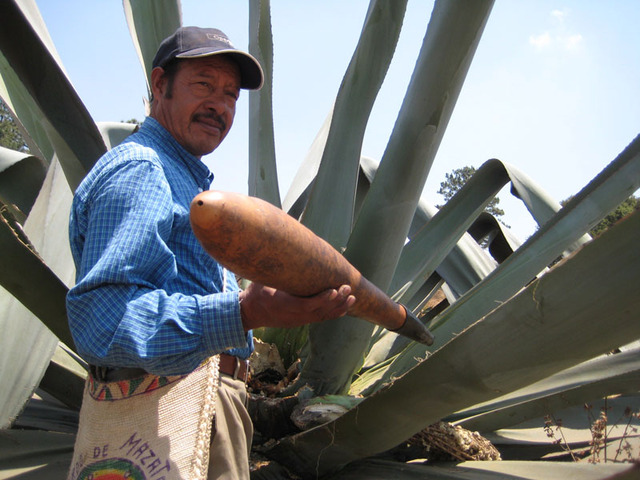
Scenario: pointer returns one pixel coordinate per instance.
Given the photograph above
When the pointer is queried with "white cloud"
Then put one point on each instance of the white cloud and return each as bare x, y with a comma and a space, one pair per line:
559, 36
572, 41
540, 41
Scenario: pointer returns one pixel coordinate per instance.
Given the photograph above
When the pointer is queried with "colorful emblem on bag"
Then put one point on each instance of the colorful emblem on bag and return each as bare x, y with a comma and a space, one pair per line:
110, 391
112, 469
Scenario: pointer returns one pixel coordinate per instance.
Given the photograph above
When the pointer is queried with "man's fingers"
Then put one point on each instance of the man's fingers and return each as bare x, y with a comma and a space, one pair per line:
350, 301
265, 306
345, 290
342, 300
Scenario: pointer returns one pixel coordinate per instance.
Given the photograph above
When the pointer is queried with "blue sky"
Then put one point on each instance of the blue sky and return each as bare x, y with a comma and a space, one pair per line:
554, 88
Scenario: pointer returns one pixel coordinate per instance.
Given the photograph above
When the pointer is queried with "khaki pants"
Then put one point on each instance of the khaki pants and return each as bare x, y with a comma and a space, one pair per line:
232, 432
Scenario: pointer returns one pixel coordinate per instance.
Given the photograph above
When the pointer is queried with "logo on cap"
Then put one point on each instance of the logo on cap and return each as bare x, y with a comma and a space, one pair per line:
219, 38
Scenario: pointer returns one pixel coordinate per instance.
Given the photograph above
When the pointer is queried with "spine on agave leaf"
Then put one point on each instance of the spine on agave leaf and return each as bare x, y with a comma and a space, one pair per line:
263, 244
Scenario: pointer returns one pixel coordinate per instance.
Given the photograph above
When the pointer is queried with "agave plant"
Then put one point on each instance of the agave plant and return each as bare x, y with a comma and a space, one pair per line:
525, 331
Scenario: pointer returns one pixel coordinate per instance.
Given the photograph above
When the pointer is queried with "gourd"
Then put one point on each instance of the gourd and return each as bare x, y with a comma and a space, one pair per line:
261, 243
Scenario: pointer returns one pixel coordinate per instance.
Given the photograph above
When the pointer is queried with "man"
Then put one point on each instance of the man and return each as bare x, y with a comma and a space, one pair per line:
148, 298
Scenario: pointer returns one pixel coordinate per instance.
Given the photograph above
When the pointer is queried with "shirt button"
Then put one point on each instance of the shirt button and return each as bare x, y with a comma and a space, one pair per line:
200, 190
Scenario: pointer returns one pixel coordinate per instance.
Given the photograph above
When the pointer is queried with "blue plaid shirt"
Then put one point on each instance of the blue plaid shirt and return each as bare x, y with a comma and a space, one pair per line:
147, 294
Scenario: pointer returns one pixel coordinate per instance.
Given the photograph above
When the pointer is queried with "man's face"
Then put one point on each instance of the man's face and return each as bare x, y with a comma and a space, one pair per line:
198, 107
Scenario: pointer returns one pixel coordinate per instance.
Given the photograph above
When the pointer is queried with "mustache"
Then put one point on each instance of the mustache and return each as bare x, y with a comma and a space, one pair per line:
211, 116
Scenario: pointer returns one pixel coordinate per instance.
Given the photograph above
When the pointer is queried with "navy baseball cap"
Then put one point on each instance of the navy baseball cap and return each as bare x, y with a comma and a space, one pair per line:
196, 42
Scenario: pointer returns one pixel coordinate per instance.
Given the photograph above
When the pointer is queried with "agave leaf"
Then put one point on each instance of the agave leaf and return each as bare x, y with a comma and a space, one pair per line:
614, 184
67, 123
291, 341
600, 377
21, 176
29, 9
35, 136
113, 133
64, 380
502, 242
35, 455
21, 268
298, 194
44, 413
540, 330
465, 265
27, 345
25, 353
530, 440
47, 224
448, 48
263, 173
459, 214
377, 469
545, 470
26, 114
337, 347
150, 23
65, 377
329, 211
431, 244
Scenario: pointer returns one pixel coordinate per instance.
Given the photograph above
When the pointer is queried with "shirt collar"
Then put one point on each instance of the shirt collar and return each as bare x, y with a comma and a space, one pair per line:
199, 171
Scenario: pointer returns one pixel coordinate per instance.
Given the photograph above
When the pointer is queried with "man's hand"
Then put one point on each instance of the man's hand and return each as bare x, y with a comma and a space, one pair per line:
262, 306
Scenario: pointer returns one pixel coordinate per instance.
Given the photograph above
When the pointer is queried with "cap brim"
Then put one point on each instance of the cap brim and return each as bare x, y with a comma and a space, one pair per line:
251, 74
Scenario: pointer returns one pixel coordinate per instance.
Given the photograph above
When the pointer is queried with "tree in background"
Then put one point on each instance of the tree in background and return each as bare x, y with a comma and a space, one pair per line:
625, 208
455, 180
10, 136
